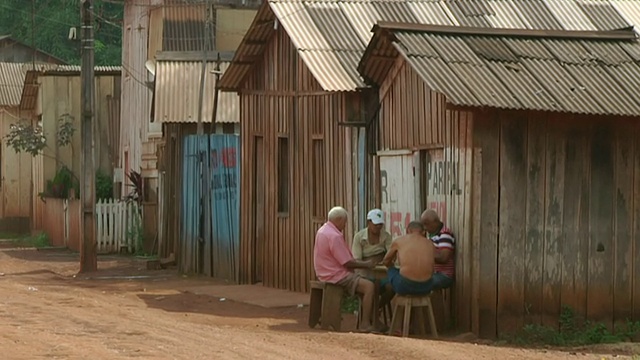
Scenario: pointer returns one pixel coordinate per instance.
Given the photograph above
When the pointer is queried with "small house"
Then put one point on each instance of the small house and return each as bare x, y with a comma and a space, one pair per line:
13, 50
51, 98
527, 141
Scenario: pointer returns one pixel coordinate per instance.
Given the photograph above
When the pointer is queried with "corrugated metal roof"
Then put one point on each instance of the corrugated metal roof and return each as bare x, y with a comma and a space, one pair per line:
75, 69
182, 26
11, 83
321, 29
530, 71
177, 89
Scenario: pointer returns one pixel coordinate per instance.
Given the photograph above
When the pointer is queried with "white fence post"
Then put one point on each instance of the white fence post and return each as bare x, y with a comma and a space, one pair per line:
117, 225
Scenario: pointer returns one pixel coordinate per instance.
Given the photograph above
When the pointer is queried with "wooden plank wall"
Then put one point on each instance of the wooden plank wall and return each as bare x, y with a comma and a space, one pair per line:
548, 214
15, 171
570, 239
281, 99
61, 98
170, 160
404, 126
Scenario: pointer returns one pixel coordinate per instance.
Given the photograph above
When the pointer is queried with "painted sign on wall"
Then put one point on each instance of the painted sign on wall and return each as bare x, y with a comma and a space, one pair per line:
442, 180
397, 191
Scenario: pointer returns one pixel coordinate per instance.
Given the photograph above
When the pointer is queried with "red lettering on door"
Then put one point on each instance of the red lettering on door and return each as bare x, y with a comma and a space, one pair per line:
396, 226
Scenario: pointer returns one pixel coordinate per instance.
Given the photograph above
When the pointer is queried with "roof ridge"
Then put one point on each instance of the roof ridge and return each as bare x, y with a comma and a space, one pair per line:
620, 34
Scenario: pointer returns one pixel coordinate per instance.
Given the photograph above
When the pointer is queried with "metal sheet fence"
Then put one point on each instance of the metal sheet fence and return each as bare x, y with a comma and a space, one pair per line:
210, 243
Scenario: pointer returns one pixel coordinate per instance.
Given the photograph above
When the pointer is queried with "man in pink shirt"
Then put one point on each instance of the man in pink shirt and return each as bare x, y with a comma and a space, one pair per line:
334, 263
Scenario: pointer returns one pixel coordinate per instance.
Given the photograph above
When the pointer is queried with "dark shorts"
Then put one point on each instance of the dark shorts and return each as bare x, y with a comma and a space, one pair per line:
404, 286
441, 281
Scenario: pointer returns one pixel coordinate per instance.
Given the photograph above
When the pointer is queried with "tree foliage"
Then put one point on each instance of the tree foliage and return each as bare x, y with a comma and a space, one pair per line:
25, 137
54, 18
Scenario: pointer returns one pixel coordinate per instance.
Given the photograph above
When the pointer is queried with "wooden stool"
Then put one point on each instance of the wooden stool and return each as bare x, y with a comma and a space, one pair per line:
408, 303
324, 305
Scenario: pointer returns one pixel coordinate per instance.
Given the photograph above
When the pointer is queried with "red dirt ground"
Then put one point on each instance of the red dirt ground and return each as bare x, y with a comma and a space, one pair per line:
48, 312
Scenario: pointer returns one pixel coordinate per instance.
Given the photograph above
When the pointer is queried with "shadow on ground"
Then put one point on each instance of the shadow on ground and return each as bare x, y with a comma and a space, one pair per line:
292, 319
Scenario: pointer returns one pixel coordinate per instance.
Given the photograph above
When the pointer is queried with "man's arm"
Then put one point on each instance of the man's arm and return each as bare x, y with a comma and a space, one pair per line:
444, 248
356, 247
442, 255
390, 257
357, 264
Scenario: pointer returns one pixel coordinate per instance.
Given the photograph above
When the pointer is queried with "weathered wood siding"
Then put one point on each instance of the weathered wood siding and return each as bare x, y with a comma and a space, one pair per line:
409, 120
415, 118
559, 219
137, 143
15, 171
60, 99
545, 207
290, 138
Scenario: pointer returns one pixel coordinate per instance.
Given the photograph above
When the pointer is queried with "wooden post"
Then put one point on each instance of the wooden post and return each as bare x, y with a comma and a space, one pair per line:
88, 255
205, 230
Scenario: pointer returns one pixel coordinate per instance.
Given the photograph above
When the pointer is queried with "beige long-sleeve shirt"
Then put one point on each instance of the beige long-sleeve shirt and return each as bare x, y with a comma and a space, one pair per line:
362, 249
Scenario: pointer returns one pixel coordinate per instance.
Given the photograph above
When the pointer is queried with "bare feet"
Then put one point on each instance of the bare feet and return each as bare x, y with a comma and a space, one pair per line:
367, 330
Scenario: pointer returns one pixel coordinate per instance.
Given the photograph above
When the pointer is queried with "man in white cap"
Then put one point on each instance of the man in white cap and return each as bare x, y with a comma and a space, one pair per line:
372, 242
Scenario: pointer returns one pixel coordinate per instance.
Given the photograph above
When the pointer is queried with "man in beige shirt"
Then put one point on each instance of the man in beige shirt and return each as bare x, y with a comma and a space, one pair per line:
372, 242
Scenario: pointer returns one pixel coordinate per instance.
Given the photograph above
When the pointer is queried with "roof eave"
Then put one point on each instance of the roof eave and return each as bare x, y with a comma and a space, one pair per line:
236, 83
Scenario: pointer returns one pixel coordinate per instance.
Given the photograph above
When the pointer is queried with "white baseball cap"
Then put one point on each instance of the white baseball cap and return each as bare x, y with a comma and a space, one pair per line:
376, 216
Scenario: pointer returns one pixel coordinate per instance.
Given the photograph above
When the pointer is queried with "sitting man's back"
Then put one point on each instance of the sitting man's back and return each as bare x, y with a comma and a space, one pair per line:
415, 257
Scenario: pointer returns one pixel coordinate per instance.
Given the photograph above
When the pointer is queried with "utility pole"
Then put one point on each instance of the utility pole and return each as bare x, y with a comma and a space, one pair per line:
205, 230
88, 255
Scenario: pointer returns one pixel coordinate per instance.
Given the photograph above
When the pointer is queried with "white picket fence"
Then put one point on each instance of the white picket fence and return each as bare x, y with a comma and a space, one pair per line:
118, 225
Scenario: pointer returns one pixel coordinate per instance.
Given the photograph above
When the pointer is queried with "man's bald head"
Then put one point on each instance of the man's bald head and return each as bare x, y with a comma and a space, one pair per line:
431, 220
429, 215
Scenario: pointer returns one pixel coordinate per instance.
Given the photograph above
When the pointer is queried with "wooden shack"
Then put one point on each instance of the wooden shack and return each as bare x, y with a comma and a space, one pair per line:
299, 152
528, 140
13, 50
51, 98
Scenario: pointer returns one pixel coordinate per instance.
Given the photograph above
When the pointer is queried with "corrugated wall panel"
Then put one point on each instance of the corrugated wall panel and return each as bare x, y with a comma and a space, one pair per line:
177, 93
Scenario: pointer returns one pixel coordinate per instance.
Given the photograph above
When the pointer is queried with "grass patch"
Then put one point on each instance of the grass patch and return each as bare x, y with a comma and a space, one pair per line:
573, 332
40, 240
10, 236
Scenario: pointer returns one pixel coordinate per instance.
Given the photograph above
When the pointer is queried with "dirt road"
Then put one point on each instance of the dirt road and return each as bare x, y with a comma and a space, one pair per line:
46, 312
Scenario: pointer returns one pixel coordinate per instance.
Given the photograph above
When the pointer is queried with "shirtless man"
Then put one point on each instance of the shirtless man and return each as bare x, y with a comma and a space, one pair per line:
415, 255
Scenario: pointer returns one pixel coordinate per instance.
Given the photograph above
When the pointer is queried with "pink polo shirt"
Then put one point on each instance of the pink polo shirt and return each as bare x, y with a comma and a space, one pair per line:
330, 254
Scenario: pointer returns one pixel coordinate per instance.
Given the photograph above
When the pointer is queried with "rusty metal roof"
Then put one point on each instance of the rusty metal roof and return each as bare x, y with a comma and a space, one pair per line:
329, 33
183, 25
176, 94
585, 72
11, 83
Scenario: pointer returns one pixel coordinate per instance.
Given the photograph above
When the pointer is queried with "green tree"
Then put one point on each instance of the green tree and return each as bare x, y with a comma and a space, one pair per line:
54, 18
